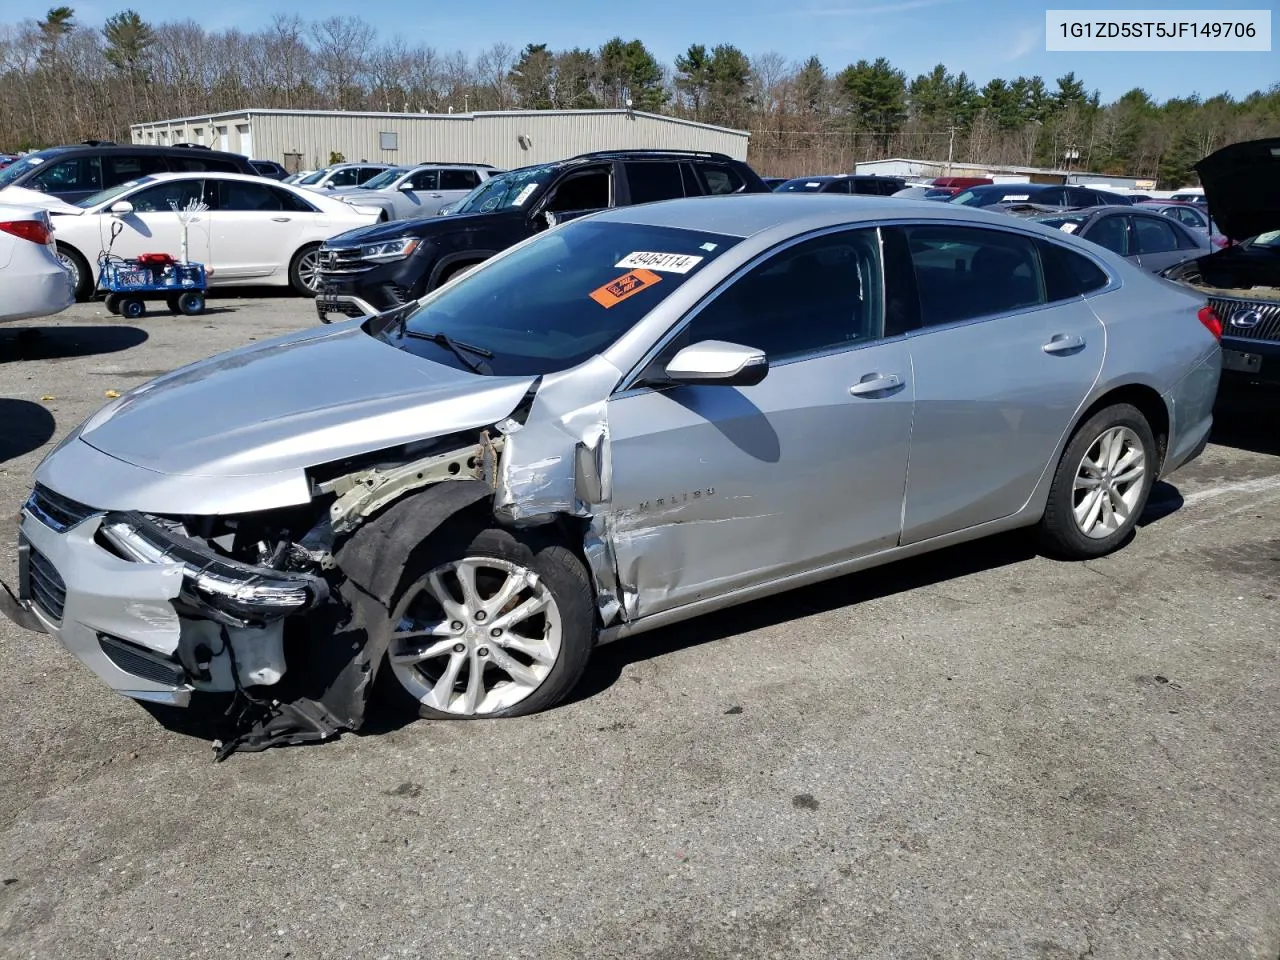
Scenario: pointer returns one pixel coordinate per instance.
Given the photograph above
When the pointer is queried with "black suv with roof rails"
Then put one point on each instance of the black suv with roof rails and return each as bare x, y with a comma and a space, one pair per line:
72, 173
373, 269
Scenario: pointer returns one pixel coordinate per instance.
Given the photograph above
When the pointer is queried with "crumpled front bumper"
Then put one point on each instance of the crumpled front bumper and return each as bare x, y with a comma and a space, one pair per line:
108, 612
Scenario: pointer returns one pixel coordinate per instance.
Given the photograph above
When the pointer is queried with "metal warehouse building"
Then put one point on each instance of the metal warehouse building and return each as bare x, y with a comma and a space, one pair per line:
303, 139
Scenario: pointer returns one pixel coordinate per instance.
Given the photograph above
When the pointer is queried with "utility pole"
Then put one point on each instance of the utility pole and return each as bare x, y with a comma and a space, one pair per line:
951, 149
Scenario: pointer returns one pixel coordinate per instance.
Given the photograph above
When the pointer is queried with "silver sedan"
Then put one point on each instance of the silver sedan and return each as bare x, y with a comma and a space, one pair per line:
622, 422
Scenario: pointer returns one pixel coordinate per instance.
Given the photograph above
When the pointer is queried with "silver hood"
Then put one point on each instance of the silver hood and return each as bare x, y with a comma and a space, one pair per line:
279, 407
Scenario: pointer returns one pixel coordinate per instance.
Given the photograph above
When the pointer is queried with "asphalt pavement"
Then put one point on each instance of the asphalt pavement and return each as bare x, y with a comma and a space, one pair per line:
981, 753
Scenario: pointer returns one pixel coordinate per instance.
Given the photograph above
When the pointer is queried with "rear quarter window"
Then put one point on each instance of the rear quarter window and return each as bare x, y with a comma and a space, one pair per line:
718, 179
1067, 274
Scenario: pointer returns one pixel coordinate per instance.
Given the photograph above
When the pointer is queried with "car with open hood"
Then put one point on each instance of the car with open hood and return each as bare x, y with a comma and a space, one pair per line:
626, 420
1242, 188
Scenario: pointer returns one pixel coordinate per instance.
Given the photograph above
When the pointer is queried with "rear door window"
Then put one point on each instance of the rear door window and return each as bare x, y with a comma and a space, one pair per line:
1112, 233
201, 164
121, 167
967, 272
243, 196
652, 180
717, 178
459, 180
1154, 235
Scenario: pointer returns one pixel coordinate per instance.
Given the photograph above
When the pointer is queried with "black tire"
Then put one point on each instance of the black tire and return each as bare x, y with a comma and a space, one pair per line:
79, 267
131, 308
297, 271
1059, 532
556, 566
113, 303
456, 270
172, 303
191, 303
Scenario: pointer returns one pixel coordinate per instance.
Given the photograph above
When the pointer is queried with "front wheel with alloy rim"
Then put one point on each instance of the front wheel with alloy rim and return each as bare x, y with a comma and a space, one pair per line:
490, 624
1102, 483
304, 271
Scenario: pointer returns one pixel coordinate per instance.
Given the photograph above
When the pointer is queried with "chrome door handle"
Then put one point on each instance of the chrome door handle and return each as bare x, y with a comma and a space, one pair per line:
875, 383
437, 196
1063, 343
279, 219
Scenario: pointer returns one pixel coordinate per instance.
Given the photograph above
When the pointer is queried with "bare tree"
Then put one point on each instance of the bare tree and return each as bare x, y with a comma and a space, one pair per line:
342, 51
493, 72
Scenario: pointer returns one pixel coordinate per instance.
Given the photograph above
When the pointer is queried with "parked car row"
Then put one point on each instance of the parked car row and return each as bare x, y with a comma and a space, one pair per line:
374, 269
253, 231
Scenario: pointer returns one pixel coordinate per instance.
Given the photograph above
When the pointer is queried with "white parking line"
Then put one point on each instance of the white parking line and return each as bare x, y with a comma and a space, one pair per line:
1246, 486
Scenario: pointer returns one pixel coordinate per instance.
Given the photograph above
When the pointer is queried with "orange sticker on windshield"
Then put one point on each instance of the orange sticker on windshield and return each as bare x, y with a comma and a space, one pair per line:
627, 285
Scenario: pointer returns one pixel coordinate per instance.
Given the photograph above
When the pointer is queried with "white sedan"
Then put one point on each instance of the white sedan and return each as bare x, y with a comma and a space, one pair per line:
33, 283
254, 231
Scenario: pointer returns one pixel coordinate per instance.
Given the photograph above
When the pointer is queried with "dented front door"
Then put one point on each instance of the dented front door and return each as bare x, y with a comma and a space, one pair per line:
717, 487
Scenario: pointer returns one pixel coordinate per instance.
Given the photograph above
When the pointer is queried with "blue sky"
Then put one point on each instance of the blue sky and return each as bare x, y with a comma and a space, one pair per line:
995, 38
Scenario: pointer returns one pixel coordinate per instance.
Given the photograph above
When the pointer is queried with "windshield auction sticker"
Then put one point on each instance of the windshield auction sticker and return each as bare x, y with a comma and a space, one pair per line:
662, 262
627, 285
1115, 31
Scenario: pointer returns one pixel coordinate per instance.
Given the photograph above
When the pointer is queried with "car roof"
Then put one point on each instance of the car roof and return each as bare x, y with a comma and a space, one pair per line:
144, 149
744, 215
205, 175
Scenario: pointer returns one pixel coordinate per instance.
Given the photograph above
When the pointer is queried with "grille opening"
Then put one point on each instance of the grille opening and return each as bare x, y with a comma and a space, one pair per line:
46, 585
140, 662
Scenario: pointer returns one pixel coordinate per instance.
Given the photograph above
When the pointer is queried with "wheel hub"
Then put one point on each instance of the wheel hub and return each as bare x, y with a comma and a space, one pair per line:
475, 636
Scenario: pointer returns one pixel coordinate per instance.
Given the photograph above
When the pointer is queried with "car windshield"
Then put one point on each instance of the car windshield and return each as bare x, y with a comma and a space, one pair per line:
19, 167
557, 300
1269, 240
384, 179
507, 192
802, 186
935, 193
314, 177
103, 196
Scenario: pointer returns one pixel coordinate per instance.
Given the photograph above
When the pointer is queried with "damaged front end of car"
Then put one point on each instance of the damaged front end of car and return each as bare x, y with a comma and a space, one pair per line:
290, 609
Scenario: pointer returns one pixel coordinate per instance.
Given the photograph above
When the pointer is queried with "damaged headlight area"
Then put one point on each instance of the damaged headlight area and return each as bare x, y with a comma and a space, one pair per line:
225, 590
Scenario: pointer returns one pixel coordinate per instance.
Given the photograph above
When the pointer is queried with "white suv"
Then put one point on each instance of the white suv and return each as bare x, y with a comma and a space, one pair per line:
403, 193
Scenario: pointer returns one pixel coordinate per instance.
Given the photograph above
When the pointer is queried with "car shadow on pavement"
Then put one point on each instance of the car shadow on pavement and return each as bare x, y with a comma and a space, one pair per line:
609, 661
1244, 417
60, 343
27, 426
1163, 501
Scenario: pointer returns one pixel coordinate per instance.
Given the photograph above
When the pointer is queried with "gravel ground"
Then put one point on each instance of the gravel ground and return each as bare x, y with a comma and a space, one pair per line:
982, 753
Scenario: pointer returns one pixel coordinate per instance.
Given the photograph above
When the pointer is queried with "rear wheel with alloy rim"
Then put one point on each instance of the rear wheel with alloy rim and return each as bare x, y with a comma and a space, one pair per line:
304, 271
1102, 483
490, 625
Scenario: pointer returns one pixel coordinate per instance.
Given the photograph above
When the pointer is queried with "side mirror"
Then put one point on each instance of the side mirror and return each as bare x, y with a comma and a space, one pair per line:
717, 362
407, 186
121, 208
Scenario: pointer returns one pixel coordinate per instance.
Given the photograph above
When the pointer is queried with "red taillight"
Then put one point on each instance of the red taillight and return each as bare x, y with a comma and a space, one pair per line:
37, 231
1210, 321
